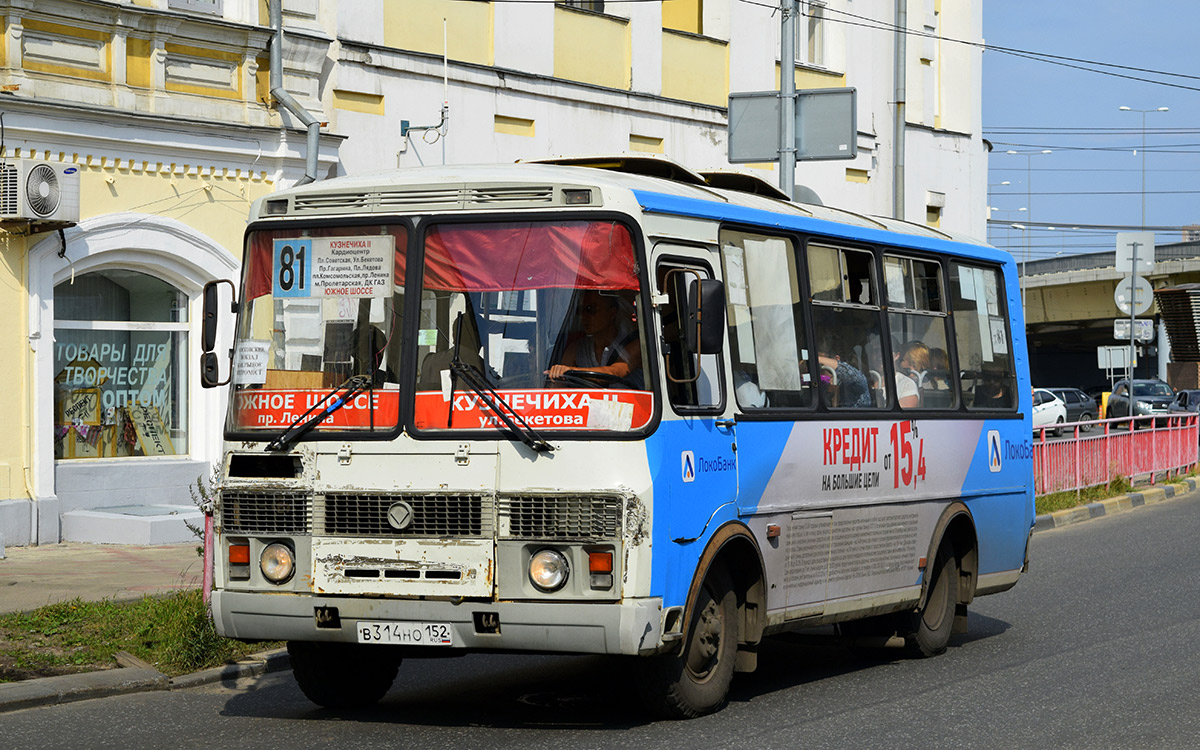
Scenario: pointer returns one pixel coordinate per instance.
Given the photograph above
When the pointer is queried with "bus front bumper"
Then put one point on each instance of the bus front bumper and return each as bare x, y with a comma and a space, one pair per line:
630, 627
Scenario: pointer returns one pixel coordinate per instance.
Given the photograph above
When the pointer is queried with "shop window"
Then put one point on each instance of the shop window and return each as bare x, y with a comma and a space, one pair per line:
120, 367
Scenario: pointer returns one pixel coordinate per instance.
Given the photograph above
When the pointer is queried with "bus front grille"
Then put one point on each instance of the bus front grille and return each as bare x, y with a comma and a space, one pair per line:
584, 517
273, 512
363, 514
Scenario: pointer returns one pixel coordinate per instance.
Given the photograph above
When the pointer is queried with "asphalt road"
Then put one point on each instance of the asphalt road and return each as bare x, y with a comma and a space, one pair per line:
1095, 647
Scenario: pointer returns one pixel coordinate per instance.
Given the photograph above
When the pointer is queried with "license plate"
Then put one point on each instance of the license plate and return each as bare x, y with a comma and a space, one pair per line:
406, 633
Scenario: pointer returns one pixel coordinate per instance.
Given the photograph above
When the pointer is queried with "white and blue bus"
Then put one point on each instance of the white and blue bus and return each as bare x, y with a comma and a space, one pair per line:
621, 408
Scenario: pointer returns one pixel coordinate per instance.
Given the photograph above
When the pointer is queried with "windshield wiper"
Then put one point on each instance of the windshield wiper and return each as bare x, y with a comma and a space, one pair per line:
353, 386
478, 382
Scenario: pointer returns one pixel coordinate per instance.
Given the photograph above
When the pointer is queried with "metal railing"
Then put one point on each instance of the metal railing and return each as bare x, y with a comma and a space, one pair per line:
1097, 452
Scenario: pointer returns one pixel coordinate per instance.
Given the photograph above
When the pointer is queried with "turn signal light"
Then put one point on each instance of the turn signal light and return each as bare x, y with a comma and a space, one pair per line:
239, 554
600, 562
600, 569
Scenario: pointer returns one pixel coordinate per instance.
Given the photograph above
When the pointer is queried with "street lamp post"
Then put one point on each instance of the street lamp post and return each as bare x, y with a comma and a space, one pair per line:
1029, 204
1133, 270
1007, 229
1144, 111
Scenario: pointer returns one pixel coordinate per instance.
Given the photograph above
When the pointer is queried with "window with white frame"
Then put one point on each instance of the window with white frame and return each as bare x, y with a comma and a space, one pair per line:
120, 367
810, 33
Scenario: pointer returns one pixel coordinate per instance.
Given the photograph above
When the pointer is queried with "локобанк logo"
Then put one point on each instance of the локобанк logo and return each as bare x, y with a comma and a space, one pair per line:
688, 466
995, 455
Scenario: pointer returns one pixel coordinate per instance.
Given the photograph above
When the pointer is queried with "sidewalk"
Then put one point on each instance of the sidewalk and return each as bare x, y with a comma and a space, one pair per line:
32, 577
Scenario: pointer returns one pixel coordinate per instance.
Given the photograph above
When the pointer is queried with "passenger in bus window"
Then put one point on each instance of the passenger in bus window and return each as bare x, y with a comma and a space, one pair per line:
994, 393
912, 362
938, 376
846, 386
607, 342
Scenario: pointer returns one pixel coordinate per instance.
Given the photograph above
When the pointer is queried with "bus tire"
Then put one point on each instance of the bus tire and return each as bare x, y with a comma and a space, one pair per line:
342, 675
696, 681
928, 629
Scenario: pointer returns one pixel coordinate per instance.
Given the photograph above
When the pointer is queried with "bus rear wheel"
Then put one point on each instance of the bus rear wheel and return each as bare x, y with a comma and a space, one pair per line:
927, 631
342, 675
696, 681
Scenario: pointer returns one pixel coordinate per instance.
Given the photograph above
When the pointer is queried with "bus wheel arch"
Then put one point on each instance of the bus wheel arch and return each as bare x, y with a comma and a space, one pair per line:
733, 548
942, 611
723, 623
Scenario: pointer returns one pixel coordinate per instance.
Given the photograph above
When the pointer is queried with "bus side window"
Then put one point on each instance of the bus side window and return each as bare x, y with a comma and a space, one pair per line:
982, 337
918, 326
766, 326
693, 382
846, 318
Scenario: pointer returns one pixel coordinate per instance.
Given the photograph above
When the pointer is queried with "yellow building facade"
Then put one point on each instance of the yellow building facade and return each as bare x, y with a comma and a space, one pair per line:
145, 131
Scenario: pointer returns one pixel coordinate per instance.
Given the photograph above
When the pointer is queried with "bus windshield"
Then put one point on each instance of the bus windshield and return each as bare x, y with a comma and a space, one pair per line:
321, 308
547, 313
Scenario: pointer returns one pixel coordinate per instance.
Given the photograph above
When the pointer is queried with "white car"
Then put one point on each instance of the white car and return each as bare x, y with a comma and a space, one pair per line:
1048, 410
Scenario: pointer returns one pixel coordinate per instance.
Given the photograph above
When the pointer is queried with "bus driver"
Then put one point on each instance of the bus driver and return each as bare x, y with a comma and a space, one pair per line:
603, 344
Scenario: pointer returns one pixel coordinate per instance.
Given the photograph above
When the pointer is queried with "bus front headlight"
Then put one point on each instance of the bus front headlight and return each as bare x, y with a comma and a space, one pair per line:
277, 562
548, 570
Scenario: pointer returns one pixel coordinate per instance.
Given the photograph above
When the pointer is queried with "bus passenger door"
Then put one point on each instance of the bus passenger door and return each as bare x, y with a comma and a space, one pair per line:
696, 440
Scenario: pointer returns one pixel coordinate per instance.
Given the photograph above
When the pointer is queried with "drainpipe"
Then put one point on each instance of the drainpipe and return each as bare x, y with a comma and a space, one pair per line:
901, 94
287, 100
787, 99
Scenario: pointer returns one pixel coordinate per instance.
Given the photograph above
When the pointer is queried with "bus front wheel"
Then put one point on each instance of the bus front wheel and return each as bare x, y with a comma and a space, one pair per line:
696, 681
342, 675
928, 629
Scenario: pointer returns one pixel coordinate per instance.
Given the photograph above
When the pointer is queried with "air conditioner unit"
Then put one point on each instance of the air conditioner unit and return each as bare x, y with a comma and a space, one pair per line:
39, 191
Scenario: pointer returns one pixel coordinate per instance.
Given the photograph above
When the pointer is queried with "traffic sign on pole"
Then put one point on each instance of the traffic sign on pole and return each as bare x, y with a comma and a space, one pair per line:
1143, 328
1133, 295
1139, 243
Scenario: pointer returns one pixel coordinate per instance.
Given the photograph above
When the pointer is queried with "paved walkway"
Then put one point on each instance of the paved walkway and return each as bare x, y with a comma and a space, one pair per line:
31, 577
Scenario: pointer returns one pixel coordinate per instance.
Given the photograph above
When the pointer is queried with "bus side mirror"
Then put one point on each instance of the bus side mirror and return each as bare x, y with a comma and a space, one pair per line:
210, 371
211, 318
706, 316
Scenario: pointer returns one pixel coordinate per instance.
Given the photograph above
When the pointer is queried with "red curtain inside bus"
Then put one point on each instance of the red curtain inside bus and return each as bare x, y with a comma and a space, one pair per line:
506, 257
490, 257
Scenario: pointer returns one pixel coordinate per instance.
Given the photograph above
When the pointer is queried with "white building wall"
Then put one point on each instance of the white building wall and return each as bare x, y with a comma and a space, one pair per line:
518, 27
944, 151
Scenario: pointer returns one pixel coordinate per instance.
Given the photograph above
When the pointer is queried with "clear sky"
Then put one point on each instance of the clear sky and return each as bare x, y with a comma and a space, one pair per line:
1094, 173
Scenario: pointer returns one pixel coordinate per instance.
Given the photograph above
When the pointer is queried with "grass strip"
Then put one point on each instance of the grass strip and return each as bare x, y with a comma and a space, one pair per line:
174, 633
1069, 499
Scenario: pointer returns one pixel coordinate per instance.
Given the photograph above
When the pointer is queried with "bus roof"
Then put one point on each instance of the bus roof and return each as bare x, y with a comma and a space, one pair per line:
539, 184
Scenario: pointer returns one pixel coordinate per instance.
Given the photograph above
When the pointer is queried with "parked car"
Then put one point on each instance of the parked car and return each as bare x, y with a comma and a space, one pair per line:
1186, 402
1153, 397
1048, 409
1080, 406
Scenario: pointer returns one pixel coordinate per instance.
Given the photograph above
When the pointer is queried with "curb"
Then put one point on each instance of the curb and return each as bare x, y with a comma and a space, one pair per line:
49, 691
1113, 505
268, 661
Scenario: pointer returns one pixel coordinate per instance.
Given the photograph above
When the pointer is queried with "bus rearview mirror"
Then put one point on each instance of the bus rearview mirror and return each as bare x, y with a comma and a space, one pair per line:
706, 316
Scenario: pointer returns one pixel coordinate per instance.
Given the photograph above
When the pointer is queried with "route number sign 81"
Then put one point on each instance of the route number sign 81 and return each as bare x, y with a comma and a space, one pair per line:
292, 268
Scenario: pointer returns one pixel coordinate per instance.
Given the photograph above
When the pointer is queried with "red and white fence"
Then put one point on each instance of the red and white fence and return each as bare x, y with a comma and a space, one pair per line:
1111, 448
